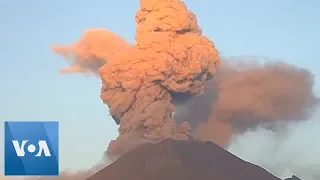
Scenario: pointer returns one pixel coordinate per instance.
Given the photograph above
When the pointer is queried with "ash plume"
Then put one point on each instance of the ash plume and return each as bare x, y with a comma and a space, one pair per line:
162, 87
140, 81
92, 51
246, 94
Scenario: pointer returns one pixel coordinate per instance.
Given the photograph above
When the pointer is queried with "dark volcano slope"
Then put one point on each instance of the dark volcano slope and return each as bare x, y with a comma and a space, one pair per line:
181, 160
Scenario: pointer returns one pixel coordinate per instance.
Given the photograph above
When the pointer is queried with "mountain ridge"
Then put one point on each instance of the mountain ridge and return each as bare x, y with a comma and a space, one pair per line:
189, 160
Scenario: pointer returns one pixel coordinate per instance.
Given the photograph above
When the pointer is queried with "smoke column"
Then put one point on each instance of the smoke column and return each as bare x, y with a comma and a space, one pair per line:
140, 81
169, 71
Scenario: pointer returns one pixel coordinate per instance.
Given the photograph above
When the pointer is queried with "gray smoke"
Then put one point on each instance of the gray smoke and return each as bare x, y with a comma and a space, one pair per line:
292, 150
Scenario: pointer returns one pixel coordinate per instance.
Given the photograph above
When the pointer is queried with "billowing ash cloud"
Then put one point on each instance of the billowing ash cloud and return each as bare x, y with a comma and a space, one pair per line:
246, 94
140, 81
169, 67
92, 51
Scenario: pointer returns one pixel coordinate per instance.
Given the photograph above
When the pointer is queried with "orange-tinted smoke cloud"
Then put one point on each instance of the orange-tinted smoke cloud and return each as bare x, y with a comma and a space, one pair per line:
248, 95
92, 51
170, 56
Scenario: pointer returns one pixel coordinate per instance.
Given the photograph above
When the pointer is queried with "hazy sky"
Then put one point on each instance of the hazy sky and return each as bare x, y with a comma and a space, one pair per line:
32, 89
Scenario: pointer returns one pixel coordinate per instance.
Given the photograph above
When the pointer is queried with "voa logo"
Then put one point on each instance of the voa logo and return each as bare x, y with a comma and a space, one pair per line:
41, 147
31, 148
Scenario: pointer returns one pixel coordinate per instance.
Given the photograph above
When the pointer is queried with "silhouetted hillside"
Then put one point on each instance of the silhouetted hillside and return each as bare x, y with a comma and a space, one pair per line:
181, 160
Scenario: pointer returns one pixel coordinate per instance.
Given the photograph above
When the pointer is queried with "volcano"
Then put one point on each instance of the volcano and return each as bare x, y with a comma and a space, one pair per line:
181, 160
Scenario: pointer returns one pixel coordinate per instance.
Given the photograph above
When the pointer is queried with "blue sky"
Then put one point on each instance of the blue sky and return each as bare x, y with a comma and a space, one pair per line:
33, 89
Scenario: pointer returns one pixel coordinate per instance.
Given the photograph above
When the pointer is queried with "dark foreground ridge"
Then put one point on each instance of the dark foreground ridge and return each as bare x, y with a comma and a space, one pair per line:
181, 160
